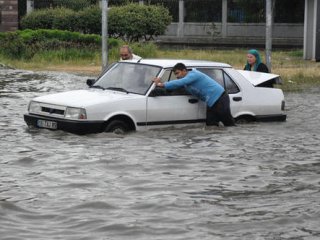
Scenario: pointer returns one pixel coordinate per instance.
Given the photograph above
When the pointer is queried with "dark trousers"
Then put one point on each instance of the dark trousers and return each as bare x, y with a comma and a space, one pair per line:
220, 112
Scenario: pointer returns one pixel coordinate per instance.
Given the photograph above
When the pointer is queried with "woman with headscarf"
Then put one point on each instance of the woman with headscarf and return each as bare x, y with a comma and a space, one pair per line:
254, 62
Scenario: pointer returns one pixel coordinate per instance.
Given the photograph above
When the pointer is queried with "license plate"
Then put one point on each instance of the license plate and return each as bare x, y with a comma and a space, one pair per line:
47, 124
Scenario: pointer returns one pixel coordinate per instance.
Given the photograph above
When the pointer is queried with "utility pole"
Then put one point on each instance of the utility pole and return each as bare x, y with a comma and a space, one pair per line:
180, 30
104, 38
268, 32
311, 40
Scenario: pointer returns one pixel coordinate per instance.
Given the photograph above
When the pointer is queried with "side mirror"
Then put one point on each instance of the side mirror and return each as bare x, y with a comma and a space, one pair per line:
90, 82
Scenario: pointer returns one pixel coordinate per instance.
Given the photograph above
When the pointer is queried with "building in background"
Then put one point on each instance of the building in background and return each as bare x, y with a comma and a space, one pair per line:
198, 22
9, 20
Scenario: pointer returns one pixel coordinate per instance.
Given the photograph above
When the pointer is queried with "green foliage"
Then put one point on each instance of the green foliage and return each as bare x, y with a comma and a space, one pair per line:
59, 18
45, 47
63, 36
12, 45
64, 19
89, 20
64, 54
296, 53
133, 22
76, 5
145, 50
114, 43
25, 44
119, 2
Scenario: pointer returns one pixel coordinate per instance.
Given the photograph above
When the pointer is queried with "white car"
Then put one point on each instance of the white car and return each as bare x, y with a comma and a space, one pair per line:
125, 99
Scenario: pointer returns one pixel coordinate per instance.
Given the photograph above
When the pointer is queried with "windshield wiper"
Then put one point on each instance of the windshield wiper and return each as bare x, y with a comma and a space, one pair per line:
118, 89
97, 86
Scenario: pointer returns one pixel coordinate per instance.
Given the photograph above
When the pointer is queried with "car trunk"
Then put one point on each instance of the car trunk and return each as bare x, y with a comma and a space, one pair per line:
259, 79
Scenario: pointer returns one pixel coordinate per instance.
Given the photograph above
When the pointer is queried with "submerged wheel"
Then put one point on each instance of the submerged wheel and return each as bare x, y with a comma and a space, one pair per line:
244, 119
117, 127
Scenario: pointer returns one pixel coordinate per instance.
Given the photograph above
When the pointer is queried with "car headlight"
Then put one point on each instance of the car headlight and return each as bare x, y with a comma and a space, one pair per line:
34, 107
75, 113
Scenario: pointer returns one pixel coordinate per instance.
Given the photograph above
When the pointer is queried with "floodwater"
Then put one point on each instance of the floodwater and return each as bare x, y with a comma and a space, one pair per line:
253, 181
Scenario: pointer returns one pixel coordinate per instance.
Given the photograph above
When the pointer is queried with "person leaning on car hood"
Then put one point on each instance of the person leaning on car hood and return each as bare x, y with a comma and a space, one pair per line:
205, 88
126, 54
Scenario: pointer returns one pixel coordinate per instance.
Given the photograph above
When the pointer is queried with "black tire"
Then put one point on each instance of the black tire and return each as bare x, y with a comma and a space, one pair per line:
244, 120
117, 127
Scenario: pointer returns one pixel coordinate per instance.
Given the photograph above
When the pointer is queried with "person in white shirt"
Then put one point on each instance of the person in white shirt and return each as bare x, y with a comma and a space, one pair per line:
126, 54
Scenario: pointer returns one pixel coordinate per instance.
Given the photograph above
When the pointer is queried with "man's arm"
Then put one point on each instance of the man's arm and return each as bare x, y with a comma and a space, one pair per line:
177, 83
158, 82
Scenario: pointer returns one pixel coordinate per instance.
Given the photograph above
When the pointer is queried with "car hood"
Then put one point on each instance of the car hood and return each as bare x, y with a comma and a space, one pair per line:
256, 78
83, 98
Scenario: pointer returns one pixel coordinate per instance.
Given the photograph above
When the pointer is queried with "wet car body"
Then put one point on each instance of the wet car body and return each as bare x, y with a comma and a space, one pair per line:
124, 98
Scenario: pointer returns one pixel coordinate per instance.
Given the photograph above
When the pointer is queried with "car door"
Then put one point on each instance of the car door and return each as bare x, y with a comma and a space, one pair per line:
228, 84
176, 107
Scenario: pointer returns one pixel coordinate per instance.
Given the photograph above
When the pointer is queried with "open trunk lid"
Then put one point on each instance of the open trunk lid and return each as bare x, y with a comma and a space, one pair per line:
260, 79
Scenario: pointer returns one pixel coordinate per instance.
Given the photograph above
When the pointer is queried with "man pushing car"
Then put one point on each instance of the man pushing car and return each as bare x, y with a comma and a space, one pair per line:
206, 89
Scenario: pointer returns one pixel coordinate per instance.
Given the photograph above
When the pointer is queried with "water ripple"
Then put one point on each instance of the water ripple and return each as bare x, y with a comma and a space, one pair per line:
254, 181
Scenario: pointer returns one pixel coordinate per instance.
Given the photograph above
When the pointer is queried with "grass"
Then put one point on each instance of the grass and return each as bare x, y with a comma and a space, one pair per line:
296, 73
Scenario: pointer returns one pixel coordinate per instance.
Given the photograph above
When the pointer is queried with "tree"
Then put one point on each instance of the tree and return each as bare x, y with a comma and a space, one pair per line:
134, 22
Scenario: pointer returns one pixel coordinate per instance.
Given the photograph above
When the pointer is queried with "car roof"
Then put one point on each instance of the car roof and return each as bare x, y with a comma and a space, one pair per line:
167, 63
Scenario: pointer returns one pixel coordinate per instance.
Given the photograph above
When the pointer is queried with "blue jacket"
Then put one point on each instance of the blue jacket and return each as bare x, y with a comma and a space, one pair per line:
198, 84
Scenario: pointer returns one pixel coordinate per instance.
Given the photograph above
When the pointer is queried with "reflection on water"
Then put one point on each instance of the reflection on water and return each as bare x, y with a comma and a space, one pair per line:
254, 181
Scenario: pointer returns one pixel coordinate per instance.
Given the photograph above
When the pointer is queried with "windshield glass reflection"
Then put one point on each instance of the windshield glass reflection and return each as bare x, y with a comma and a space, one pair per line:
128, 77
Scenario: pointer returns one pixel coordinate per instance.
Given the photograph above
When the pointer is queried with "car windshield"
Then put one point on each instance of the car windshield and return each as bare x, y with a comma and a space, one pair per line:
128, 77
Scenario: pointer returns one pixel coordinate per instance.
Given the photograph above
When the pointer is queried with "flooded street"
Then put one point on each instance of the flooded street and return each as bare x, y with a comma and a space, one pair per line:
253, 181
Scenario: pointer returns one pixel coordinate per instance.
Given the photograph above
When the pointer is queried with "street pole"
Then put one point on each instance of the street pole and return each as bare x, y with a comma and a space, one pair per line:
268, 32
104, 34
180, 31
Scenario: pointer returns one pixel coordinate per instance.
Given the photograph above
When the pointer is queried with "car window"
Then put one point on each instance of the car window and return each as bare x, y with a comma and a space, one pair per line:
222, 78
168, 75
216, 74
130, 77
230, 85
